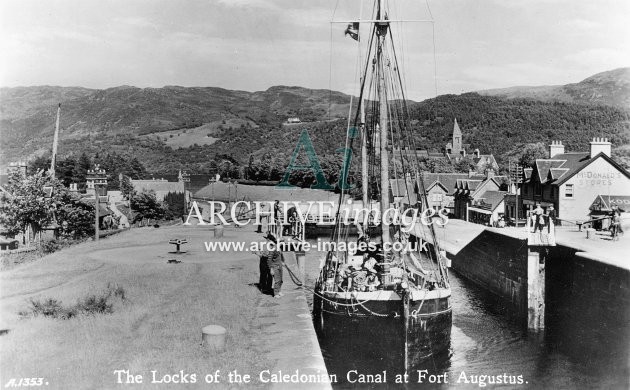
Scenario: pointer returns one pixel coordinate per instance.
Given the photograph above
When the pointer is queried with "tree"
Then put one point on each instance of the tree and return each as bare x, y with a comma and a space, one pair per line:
39, 163
137, 169
126, 188
29, 202
75, 217
64, 170
174, 205
80, 171
146, 205
439, 166
530, 153
465, 165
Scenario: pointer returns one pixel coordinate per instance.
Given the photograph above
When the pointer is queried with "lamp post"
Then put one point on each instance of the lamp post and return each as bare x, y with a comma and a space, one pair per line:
97, 179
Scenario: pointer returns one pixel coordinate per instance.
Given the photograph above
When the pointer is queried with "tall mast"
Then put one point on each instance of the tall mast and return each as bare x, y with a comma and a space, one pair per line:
364, 157
55, 141
382, 27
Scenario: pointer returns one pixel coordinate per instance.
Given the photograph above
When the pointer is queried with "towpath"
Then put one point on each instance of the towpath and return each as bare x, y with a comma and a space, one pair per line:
282, 329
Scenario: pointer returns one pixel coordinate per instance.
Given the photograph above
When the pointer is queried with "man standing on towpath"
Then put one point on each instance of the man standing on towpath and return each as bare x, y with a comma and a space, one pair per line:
275, 262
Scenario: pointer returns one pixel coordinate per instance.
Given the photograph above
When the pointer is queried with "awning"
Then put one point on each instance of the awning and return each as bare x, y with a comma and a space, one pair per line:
605, 202
481, 211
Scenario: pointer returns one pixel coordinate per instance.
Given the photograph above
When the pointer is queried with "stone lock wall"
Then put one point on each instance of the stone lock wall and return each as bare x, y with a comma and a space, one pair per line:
588, 304
497, 263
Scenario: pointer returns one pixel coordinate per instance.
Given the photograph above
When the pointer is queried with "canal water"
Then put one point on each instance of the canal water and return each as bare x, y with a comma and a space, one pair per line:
487, 343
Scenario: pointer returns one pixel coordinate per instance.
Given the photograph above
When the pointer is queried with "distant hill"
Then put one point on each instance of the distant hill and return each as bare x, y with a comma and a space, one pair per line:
28, 113
503, 126
174, 128
607, 88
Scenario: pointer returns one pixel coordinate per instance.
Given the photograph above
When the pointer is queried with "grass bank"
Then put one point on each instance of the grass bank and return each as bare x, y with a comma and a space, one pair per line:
156, 327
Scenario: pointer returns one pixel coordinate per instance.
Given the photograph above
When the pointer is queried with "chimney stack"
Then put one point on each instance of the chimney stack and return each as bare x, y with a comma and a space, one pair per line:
555, 148
600, 145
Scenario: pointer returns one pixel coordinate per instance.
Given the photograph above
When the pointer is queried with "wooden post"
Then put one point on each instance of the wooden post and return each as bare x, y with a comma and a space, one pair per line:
536, 288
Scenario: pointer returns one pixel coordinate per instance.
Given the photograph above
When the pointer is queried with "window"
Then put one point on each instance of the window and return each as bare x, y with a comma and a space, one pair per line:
437, 197
538, 189
568, 191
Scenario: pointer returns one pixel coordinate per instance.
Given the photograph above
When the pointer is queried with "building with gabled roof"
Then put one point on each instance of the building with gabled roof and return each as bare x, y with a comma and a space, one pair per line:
403, 191
452, 152
570, 181
469, 194
440, 187
487, 208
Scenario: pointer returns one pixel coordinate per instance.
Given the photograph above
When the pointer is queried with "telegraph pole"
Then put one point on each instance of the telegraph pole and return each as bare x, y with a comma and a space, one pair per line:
97, 178
55, 142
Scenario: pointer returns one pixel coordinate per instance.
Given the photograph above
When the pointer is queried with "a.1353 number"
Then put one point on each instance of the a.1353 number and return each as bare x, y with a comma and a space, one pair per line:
25, 382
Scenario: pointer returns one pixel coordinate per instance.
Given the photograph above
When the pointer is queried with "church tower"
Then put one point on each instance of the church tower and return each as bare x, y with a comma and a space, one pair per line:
457, 139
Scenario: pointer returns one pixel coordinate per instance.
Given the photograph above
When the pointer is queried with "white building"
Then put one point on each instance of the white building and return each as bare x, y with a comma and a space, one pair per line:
570, 181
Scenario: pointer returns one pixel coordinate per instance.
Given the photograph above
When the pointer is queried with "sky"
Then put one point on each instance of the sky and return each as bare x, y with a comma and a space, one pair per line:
254, 44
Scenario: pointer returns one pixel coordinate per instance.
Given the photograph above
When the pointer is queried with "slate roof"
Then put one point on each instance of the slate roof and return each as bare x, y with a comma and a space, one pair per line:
485, 158
544, 166
400, 189
563, 166
467, 184
448, 180
221, 191
160, 185
493, 198
501, 180
420, 153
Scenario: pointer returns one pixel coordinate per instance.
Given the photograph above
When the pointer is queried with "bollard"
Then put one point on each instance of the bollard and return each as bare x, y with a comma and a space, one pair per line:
218, 231
213, 337
590, 233
300, 257
446, 259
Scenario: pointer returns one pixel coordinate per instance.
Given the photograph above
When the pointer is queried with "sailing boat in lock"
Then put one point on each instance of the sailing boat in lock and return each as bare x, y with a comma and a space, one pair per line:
383, 275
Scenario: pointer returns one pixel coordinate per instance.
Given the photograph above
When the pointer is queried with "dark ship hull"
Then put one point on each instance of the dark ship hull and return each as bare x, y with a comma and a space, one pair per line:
426, 317
373, 344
